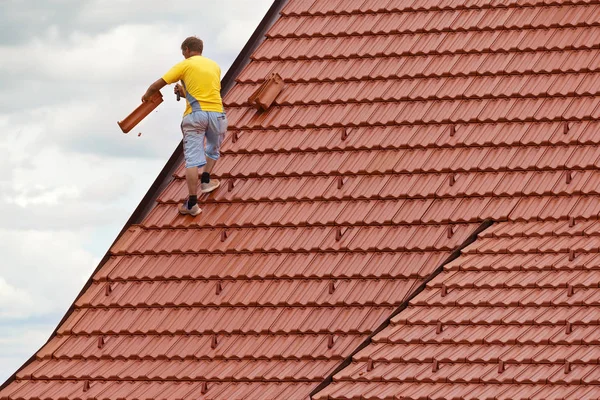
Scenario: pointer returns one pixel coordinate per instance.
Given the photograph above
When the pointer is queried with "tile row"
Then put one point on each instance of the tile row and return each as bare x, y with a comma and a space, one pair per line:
558, 244
323, 213
467, 87
377, 137
361, 213
319, 265
201, 320
508, 335
543, 228
460, 373
272, 292
301, 370
479, 353
212, 370
517, 284
352, 390
578, 38
431, 65
563, 109
322, 191
550, 261
322, 7
531, 315
367, 238
142, 390
419, 160
186, 346
583, 291
436, 21
556, 208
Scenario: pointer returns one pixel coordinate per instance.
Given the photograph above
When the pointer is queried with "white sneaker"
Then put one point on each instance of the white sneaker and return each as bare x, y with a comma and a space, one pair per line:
183, 209
210, 186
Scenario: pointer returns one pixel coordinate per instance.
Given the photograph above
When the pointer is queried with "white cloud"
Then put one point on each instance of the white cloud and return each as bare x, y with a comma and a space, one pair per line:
19, 342
52, 268
229, 38
14, 302
114, 56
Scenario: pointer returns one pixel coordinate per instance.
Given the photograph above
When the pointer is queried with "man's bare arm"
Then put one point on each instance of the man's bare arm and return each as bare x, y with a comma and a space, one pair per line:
155, 87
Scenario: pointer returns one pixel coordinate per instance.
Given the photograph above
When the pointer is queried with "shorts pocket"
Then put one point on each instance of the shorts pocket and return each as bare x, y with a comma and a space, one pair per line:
222, 124
222, 127
186, 123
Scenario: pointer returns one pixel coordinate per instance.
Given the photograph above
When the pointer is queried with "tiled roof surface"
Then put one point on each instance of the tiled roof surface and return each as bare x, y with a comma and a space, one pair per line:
403, 125
515, 317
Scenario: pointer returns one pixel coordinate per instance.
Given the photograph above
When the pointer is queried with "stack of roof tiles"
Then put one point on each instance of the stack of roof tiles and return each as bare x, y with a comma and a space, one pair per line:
403, 129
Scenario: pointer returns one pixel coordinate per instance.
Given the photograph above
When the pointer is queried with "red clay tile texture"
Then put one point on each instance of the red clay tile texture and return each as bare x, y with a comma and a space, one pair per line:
515, 316
402, 127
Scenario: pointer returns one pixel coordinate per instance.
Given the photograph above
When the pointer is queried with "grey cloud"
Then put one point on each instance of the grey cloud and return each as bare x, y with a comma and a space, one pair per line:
58, 217
21, 20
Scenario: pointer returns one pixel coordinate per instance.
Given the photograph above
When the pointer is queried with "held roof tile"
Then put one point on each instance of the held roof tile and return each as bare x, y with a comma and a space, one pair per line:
403, 128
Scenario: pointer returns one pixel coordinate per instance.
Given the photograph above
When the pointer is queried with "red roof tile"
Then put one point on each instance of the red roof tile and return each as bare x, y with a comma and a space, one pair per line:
402, 127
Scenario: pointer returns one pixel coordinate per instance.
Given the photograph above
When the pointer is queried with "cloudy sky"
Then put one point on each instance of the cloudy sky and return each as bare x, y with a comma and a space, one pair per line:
69, 179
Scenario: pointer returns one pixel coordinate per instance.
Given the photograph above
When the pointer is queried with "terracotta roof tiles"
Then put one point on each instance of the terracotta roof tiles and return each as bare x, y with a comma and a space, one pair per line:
342, 242
516, 323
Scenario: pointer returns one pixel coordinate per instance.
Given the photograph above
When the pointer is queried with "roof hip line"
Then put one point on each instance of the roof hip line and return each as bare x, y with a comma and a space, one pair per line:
454, 255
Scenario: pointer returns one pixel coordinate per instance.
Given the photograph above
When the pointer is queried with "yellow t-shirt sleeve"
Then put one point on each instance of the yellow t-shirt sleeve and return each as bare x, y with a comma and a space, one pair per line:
174, 74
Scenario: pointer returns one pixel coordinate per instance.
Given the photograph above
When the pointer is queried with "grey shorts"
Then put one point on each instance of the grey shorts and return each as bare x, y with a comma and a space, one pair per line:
198, 126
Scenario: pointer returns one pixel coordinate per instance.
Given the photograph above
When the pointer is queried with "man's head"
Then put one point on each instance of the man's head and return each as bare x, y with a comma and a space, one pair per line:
192, 46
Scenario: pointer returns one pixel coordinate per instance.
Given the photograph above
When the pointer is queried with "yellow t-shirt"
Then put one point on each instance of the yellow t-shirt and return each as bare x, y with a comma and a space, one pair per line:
201, 78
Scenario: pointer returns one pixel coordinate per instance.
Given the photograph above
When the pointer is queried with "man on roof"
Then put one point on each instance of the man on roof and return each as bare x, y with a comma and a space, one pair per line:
204, 117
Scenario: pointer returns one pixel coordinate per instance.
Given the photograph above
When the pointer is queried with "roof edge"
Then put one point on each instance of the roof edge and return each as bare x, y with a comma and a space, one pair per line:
166, 174
453, 256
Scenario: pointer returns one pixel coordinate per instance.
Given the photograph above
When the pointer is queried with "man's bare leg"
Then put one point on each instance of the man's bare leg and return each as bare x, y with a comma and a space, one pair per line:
210, 164
190, 207
207, 184
191, 177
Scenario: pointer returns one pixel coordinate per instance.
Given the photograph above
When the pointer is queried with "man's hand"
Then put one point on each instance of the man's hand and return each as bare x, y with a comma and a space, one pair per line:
179, 89
155, 87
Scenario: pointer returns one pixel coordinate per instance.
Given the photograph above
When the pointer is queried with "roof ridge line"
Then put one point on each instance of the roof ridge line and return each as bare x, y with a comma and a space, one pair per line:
454, 255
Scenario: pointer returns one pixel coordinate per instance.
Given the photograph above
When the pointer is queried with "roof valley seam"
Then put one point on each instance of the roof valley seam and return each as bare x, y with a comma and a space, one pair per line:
454, 255
166, 175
